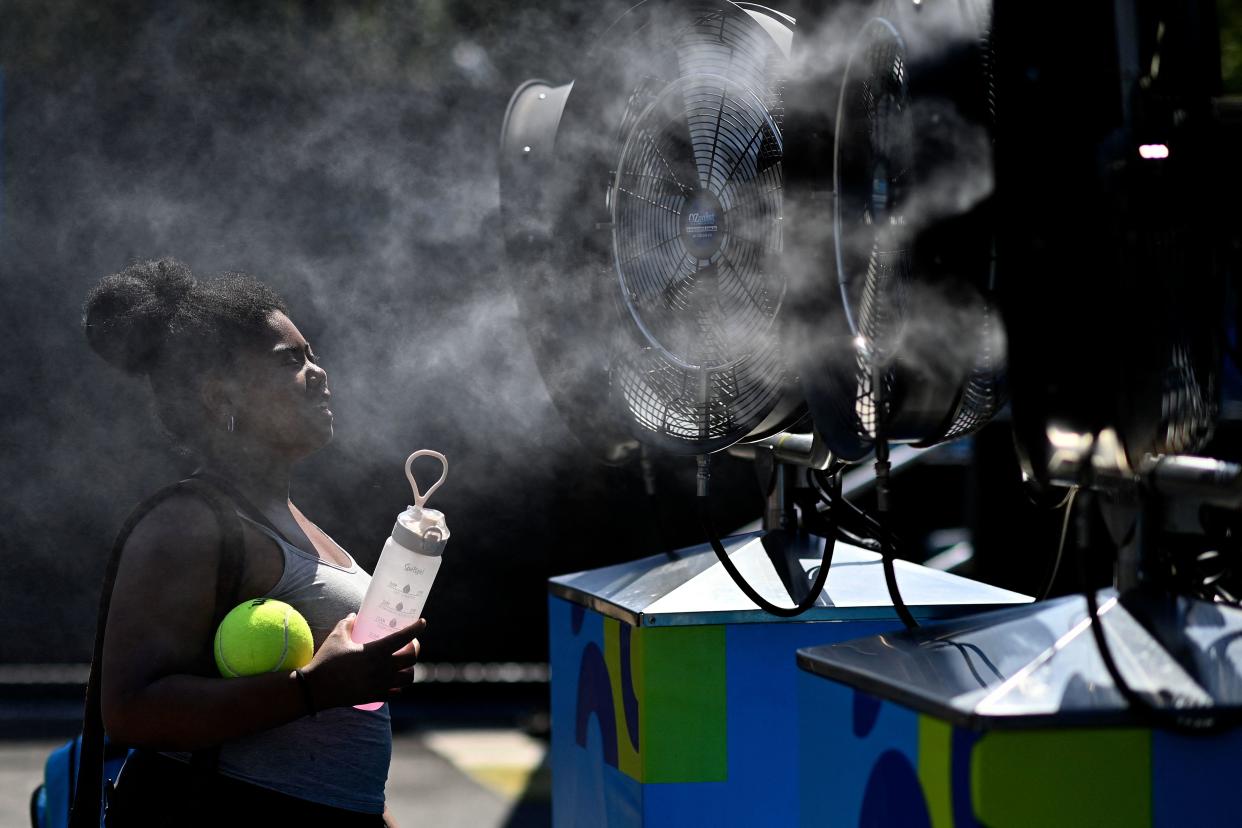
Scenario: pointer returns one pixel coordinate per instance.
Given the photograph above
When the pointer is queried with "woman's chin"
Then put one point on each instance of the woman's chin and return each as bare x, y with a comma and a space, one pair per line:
311, 441
324, 436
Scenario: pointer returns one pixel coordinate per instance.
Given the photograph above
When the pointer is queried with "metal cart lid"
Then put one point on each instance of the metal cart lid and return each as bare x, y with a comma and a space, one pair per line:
690, 587
1038, 665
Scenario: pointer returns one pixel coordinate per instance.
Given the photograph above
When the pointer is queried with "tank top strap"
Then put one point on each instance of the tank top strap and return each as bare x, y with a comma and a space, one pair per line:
289, 549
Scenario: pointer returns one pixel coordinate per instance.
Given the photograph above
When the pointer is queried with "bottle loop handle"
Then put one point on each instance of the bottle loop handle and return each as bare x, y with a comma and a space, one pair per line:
422, 497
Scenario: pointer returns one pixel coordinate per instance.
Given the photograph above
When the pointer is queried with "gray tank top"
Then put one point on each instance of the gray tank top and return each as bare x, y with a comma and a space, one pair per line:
341, 756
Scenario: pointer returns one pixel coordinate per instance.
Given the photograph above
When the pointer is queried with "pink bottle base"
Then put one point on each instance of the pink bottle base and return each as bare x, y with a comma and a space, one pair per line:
371, 706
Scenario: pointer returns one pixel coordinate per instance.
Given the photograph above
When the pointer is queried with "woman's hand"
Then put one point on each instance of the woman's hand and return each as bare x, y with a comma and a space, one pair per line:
344, 672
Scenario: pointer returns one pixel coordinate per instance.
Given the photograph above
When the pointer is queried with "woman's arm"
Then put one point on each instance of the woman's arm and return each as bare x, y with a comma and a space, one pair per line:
157, 642
158, 678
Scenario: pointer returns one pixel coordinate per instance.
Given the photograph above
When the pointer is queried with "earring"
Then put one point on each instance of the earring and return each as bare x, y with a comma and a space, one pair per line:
232, 424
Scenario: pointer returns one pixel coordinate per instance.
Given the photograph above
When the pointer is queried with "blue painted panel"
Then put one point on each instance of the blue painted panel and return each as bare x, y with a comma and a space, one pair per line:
894, 795
586, 789
763, 716
842, 736
1194, 779
671, 805
762, 720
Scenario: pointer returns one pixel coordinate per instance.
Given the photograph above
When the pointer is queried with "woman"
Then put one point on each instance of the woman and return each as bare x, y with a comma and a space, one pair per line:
237, 385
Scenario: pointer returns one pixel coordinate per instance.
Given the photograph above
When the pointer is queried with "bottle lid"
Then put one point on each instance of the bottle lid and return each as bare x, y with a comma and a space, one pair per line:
421, 530
418, 528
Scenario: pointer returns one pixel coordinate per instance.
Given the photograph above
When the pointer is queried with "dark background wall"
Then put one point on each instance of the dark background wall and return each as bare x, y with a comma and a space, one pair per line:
346, 154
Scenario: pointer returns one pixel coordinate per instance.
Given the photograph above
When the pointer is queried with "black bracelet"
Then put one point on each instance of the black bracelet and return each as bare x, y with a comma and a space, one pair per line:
304, 686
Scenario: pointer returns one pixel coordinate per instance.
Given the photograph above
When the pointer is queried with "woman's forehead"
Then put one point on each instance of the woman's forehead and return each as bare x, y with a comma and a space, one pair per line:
286, 332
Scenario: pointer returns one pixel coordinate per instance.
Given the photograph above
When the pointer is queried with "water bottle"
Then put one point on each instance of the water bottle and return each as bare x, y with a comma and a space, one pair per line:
407, 566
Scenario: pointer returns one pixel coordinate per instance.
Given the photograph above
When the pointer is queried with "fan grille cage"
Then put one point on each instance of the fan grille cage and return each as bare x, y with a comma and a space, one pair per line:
883, 173
696, 209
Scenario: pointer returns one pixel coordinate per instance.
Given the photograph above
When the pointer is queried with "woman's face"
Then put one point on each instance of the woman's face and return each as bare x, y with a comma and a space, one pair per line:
280, 394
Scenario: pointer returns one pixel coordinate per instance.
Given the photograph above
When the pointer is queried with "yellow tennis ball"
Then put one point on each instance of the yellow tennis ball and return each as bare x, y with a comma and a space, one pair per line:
262, 636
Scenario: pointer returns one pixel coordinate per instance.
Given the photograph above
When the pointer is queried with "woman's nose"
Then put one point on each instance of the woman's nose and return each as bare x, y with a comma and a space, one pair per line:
316, 377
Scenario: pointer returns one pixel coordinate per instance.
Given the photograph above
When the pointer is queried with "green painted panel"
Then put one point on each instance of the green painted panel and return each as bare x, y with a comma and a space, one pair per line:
935, 769
1087, 777
682, 724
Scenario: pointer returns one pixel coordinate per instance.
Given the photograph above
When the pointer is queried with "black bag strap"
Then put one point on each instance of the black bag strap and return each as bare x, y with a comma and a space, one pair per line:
88, 792
241, 501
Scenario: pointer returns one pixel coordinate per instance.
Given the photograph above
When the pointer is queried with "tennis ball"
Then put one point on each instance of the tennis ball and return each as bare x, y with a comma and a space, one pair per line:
262, 636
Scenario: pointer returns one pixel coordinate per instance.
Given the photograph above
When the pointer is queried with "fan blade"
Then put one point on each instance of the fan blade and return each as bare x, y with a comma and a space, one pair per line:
676, 294
675, 148
704, 108
753, 283
751, 153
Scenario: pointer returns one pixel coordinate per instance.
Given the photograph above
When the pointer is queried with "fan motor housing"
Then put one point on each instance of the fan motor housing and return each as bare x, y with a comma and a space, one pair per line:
702, 226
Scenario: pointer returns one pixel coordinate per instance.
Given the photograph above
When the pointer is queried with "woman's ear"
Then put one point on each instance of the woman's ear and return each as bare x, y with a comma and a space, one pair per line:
217, 398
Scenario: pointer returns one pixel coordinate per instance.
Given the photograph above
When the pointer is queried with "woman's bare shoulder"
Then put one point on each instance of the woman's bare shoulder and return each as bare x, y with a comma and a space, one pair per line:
181, 526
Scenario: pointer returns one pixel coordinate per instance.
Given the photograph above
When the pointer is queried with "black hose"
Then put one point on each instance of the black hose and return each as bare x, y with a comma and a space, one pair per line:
858, 527
887, 552
704, 503
882, 540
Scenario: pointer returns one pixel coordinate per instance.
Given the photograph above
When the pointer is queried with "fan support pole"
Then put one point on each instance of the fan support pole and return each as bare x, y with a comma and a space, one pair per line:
784, 541
781, 512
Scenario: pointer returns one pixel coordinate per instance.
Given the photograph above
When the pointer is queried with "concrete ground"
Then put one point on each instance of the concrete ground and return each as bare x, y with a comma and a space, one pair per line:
472, 777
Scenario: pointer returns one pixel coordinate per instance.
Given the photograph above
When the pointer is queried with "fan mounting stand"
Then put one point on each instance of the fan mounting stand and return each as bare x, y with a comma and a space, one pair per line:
786, 543
1098, 463
789, 538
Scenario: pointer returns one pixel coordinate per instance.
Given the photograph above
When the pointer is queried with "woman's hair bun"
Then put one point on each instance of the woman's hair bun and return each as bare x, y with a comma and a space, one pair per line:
129, 314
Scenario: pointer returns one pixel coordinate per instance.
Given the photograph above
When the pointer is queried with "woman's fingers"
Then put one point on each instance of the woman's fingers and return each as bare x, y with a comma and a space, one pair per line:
403, 679
395, 641
407, 656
